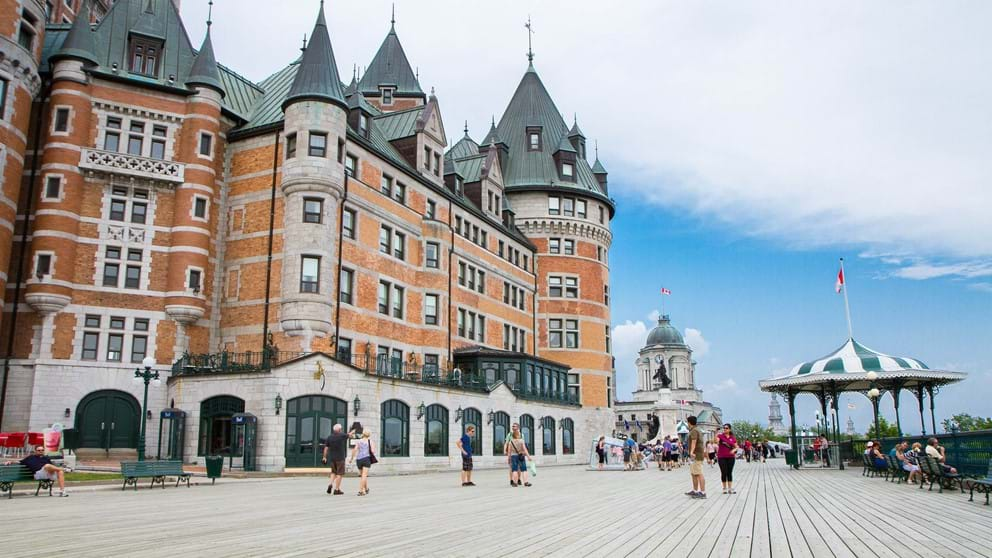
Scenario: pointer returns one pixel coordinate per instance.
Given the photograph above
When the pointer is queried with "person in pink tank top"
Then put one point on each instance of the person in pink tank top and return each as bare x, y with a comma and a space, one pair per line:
726, 456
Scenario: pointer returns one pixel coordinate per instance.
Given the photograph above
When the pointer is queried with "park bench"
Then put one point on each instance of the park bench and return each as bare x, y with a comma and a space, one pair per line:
936, 474
155, 470
981, 485
873, 470
896, 472
9, 474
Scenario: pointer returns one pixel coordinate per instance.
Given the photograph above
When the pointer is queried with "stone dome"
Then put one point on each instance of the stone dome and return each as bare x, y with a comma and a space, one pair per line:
665, 333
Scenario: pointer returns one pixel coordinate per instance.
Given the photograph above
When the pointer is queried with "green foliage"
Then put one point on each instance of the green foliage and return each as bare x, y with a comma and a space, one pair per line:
744, 430
886, 430
967, 423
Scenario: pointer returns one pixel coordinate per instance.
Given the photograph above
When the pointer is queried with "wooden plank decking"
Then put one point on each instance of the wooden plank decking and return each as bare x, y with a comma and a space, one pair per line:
569, 512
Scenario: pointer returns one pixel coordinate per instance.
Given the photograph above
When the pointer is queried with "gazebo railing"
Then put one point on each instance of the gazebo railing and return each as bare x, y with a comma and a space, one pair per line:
968, 452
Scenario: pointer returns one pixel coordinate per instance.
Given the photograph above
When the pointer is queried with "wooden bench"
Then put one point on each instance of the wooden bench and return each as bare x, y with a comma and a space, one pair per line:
936, 474
155, 470
896, 472
981, 485
9, 474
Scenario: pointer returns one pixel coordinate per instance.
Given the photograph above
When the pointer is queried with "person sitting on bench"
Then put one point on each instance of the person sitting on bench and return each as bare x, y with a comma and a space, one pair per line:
41, 466
935, 450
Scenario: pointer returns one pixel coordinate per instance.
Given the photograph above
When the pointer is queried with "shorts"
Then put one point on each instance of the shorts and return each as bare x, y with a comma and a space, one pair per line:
466, 462
364, 463
337, 467
910, 468
42, 474
713, 456
518, 463
697, 467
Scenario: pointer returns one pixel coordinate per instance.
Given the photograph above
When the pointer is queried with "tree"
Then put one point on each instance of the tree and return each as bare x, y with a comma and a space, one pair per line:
886, 430
967, 423
744, 430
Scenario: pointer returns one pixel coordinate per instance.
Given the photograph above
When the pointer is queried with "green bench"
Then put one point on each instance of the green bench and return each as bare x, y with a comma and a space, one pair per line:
981, 485
9, 474
936, 474
155, 470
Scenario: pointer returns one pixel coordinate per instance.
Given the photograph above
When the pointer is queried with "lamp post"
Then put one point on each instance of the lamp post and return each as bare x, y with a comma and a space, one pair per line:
145, 376
874, 394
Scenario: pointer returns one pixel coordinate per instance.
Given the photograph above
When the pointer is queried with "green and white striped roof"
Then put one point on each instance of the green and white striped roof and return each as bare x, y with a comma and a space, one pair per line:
853, 357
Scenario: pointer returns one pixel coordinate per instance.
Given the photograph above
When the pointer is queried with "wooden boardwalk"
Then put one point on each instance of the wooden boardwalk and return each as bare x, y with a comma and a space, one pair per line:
569, 512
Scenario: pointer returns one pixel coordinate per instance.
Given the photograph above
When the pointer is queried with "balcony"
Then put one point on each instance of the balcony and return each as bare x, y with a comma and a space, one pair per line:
132, 166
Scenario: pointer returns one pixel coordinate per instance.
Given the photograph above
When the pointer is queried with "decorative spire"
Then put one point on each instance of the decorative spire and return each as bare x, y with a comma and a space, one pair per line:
79, 41
204, 70
317, 77
304, 47
466, 128
530, 49
210, 13
392, 20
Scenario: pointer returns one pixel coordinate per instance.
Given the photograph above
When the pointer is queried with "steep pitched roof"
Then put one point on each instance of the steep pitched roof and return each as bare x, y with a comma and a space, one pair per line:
79, 42
204, 70
576, 131
465, 147
493, 137
598, 168
390, 66
399, 124
318, 77
531, 105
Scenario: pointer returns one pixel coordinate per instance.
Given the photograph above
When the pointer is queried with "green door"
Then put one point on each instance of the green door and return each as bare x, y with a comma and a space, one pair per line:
309, 420
108, 420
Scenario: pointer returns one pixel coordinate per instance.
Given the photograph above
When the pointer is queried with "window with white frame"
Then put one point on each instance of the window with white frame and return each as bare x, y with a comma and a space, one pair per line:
348, 223
568, 207
569, 245
350, 165
313, 210
563, 286
158, 140
128, 205
310, 274
554, 245
432, 251
206, 145
132, 271
43, 262
200, 208
399, 193
387, 95
563, 330
194, 279
554, 205
346, 286
580, 208
60, 121
124, 338
431, 309
53, 188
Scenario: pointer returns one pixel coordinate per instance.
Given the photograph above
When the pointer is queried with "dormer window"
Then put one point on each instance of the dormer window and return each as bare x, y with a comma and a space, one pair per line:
387, 95
567, 171
145, 54
533, 138
363, 125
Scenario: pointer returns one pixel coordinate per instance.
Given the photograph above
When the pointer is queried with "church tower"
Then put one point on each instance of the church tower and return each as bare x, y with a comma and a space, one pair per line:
775, 416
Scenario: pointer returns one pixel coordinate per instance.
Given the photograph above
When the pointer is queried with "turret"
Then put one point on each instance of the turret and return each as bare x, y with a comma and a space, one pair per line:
389, 83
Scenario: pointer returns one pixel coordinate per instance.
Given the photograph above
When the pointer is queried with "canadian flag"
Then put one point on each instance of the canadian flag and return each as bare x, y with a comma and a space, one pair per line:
840, 280
665, 291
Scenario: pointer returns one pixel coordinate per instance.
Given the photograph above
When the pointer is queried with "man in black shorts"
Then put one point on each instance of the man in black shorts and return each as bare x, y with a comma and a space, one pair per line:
336, 446
465, 445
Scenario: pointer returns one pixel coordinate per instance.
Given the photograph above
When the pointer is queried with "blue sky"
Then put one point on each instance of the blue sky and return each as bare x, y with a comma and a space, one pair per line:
750, 145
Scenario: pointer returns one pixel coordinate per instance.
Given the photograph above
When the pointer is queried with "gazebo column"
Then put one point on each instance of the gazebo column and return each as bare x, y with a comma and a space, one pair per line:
896, 388
933, 420
791, 398
919, 398
823, 409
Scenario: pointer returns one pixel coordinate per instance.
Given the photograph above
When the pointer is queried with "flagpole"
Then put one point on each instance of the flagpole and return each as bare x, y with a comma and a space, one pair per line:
847, 306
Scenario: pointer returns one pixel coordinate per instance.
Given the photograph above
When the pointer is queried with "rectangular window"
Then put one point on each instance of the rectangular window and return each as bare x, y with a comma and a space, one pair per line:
139, 348
399, 193
363, 124
399, 246
571, 334
483, 239
112, 269
568, 207
92, 321
554, 245
571, 287
344, 349
386, 185
431, 209
461, 322
481, 329
533, 138
200, 207
139, 212
482, 282
310, 274
599, 253
554, 333
489, 195
4, 87
112, 136
506, 292
430, 309
117, 322
140, 324
475, 234
471, 278
348, 224
313, 210
427, 158
501, 248
602, 215
384, 289
158, 142
461, 273
569, 247
608, 339
26, 33
385, 239
194, 280
606, 295
580, 208
61, 119
115, 347
346, 286
554, 205
43, 265
207, 144
506, 337
350, 165
387, 96
136, 138
291, 146
526, 266
554, 286
437, 164
567, 171
432, 251
318, 145
53, 187
91, 342
144, 57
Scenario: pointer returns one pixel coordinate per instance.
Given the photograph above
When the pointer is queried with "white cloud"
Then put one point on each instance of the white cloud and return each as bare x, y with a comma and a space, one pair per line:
922, 270
628, 338
726, 385
981, 287
694, 338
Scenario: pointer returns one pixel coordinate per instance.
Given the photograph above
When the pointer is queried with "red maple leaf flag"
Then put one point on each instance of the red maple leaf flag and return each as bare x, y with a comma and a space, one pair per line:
840, 280
665, 291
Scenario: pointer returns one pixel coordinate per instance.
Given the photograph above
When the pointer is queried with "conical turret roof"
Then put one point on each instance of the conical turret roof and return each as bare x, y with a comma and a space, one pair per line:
390, 67
79, 43
204, 70
317, 77
493, 137
598, 168
575, 131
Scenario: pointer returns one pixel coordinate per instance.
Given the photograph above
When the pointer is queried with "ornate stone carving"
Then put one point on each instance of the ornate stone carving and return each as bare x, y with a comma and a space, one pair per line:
123, 164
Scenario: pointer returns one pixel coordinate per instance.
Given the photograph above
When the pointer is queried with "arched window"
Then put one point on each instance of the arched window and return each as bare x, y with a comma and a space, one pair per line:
567, 436
473, 417
527, 431
548, 428
215, 424
436, 433
395, 441
501, 427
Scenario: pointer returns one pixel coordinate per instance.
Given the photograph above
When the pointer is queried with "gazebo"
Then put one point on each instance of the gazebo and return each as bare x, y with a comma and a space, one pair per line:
856, 368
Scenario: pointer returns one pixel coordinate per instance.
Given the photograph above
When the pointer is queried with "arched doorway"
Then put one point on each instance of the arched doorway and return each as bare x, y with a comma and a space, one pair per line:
108, 419
309, 420
215, 424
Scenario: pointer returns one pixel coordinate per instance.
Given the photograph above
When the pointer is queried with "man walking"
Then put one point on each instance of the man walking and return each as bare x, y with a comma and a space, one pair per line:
698, 454
336, 445
465, 444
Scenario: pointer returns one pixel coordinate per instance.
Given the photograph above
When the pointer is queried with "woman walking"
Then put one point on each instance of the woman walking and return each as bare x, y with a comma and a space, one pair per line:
362, 455
711, 453
726, 455
517, 454
601, 451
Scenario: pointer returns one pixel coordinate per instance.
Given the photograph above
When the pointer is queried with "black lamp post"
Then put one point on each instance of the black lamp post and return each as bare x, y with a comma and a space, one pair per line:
874, 394
146, 376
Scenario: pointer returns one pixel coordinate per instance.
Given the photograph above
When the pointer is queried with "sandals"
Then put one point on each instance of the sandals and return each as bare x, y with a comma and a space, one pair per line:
526, 484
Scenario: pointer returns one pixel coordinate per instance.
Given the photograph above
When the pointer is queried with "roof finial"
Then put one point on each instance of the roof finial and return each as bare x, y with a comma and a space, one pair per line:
494, 121
210, 13
392, 20
354, 72
597, 149
530, 33
418, 73
466, 128
304, 47
432, 91
575, 119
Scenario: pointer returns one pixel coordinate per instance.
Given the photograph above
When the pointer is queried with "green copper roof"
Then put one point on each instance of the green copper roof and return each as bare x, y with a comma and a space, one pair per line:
664, 333
493, 137
470, 168
268, 109
598, 168
317, 77
399, 124
565, 145
204, 70
240, 95
531, 105
357, 100
465, 147
575, 131
390, 66
79, 42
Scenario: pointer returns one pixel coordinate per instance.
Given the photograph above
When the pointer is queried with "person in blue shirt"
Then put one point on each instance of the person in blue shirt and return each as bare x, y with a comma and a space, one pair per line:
41, 466
629, 447
465, 445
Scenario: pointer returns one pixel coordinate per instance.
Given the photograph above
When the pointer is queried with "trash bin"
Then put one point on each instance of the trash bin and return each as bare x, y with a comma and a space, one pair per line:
70, 439
792, 458
214, 465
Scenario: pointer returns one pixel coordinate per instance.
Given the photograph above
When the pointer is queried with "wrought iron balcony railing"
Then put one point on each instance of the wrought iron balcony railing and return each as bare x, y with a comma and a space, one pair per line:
132, 165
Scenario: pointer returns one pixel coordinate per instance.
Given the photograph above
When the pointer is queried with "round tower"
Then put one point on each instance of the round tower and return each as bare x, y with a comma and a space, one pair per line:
312, 187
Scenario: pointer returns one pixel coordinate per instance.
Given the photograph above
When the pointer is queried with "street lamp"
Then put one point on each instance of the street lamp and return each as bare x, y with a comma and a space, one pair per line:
357, 404
874, 394
146, 376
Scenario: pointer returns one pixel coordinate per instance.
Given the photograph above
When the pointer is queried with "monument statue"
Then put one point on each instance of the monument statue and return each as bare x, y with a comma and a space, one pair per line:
661, 375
